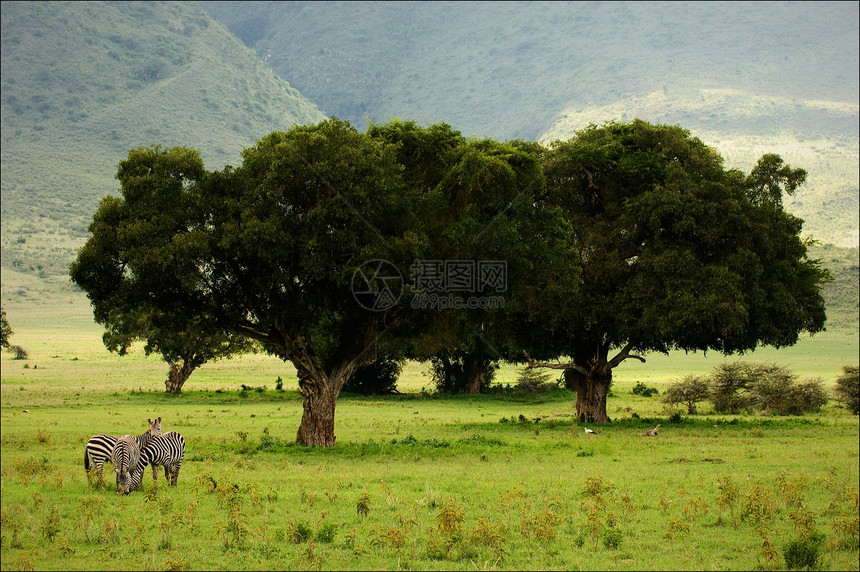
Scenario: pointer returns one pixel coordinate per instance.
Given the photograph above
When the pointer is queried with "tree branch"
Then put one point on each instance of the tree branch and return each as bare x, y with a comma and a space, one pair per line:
623, 355
533, 364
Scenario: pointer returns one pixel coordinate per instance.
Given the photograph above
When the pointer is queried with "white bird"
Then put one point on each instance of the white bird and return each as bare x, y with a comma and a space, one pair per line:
590, 432
26, 411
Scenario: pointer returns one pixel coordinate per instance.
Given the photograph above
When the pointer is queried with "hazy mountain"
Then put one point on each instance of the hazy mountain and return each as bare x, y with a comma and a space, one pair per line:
84, 82
746, 77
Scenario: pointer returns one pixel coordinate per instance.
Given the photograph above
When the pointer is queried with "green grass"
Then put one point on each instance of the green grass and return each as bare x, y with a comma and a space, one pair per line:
523, 493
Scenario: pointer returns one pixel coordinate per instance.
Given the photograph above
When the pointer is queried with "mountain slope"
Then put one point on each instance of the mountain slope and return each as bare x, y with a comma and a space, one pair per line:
84, 82
507, 69
746, 77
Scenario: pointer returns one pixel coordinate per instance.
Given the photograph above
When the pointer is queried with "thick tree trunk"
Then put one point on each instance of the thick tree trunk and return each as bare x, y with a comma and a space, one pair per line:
176, 377
317, 426
590, 375
591, 392
319, 398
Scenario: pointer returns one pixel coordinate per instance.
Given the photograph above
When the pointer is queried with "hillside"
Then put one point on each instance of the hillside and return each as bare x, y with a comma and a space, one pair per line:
84, 82
744, 126
508, 69
746, 77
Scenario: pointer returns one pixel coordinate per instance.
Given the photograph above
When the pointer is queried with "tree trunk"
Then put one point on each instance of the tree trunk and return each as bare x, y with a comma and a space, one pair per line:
177, 377
590, 375
591, 392
319, 398
475, 370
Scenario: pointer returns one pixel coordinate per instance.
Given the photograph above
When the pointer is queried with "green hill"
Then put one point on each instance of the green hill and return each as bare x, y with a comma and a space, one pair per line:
84, 82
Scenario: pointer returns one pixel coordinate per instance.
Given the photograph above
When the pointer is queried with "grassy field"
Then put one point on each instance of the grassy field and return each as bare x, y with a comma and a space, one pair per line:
416, 481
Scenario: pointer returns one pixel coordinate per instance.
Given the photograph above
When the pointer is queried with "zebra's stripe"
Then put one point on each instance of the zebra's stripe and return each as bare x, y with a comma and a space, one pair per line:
99, 448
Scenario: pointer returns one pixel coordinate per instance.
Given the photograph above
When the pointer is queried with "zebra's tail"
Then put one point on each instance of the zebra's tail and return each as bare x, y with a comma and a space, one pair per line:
86, 459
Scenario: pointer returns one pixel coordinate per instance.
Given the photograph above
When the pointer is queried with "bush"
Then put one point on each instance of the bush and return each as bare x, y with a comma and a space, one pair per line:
776, 390
533, 381
848, 388
729, 384
643, 390
804, 554
20, 353
808, 396
688, 391
377, 378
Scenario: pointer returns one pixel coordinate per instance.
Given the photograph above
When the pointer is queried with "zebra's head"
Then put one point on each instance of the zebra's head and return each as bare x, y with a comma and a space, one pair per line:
154, 426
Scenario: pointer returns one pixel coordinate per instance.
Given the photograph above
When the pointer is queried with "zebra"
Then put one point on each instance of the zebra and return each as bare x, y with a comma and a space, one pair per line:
99, 448
126, 454
166, 450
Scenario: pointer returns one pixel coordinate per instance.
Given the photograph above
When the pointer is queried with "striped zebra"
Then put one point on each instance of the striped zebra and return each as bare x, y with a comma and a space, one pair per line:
126, 455
99, 448
166, 450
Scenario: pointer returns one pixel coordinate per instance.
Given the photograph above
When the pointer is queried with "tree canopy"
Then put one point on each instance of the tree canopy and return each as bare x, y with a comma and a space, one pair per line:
677, 253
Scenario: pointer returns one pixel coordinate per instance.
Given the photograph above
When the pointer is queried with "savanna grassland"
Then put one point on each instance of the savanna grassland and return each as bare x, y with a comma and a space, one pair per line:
500, 481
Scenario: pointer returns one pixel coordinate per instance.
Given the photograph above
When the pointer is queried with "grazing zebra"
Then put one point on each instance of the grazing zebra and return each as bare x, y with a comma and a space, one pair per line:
126, 455
166, 450
100, 448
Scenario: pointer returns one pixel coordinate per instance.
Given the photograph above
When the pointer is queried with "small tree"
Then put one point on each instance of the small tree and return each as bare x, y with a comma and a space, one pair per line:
848, 388
729, 387
771, 388
532, 382
5, 330
776, 389
688, 391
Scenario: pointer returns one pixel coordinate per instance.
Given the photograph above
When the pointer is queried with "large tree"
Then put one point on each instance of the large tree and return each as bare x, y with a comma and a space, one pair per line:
493, 246
300, 248
677, 253
136, 247
306, 247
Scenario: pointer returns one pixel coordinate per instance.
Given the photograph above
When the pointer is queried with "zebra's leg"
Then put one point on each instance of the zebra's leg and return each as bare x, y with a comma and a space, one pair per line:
154, 472
95, 473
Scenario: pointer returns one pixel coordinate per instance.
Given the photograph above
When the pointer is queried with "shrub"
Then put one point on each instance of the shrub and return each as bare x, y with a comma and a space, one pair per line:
776, 390
20, 353
729, 384
809, 395
533, 381
643, 390
688, 391
848, 388
804, 553
377, 378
